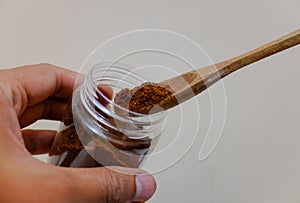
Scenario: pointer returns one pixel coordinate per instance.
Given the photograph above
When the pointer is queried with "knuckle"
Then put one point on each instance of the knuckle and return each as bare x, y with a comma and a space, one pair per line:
46, 65
115, 188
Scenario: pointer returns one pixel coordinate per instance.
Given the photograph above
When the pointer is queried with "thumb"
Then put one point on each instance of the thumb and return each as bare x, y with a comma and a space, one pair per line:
112, 184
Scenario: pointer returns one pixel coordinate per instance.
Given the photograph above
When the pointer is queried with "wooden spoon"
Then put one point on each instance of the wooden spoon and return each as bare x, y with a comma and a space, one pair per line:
188, 85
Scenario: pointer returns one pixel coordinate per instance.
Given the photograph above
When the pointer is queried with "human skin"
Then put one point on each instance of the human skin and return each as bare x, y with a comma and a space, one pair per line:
41, 91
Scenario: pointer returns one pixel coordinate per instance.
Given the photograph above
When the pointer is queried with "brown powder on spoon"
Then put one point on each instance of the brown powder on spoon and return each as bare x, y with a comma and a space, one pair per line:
143, 98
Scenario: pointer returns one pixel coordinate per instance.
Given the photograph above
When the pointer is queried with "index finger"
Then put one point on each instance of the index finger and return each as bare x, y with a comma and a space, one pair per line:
44, 80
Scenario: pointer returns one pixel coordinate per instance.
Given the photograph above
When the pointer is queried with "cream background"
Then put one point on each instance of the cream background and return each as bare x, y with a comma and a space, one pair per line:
257, 159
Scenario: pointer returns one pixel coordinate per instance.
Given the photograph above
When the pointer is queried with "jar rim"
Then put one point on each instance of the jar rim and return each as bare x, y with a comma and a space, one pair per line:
90, 91
116, 66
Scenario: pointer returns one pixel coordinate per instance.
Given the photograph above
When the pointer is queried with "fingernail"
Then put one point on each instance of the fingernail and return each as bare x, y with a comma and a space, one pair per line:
145, 187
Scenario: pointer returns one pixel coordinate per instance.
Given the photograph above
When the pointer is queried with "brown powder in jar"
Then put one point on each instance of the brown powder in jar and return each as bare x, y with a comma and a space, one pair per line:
67, 140
117, 149
143, 98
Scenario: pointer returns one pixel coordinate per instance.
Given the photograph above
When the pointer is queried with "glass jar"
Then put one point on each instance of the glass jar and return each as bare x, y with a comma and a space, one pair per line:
96, 132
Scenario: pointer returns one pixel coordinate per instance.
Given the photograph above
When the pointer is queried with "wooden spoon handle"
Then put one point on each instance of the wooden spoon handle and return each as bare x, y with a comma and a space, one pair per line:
202, 78
259, 53
189, 84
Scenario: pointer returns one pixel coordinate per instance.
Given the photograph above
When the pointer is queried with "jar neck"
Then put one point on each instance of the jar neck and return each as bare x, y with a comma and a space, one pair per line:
103, 111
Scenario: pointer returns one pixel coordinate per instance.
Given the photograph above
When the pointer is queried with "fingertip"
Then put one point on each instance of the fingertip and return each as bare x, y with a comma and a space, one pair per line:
38, 141
145, 187
106, 90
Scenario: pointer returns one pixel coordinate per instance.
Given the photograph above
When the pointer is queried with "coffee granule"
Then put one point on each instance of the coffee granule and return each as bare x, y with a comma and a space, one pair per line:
143, 98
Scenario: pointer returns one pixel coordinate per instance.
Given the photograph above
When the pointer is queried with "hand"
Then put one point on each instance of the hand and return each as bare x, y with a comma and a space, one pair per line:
35, 92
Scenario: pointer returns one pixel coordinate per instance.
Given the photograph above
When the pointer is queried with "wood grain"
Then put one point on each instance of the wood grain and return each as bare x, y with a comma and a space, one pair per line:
190, 84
